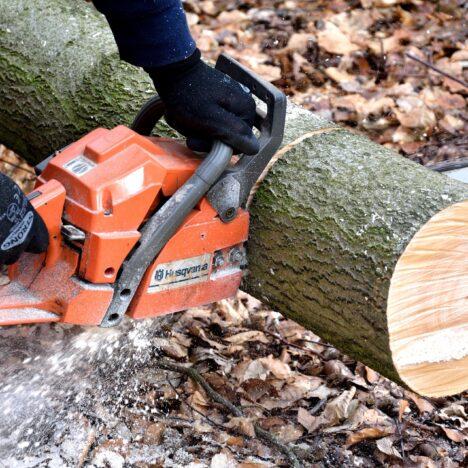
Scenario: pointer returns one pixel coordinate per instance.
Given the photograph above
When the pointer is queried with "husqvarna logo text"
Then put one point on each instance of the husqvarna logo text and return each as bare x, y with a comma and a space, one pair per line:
180, 273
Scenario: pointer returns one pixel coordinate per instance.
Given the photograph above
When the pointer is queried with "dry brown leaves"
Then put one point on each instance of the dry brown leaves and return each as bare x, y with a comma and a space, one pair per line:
262, 363
346, 60
303, 392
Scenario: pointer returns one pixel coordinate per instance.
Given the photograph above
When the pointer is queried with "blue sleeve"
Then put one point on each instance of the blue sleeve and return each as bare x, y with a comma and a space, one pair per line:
148, 33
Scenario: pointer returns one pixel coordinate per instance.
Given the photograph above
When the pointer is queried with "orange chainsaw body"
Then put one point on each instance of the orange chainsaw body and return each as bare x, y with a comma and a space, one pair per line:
95, 196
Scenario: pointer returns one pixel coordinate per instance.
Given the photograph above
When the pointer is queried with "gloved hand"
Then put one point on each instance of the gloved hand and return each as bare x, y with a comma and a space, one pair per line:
21, 228
204, 104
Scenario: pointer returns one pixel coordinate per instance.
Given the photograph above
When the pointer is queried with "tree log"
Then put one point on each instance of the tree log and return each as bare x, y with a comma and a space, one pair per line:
365, 248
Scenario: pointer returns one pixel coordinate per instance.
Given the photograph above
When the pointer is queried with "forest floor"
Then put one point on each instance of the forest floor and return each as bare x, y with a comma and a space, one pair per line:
346, 60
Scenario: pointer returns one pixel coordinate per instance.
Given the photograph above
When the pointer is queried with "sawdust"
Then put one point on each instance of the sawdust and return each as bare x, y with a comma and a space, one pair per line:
58, 381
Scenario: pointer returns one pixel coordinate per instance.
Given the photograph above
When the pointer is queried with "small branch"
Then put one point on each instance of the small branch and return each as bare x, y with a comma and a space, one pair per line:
421, 426
215, 396
320, 404
87, 447
194, 410
400, 436
320, 343
436, 69
287, 343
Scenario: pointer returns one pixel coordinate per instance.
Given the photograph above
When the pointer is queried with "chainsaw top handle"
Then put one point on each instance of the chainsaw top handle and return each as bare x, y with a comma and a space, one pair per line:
232, 189
228, 188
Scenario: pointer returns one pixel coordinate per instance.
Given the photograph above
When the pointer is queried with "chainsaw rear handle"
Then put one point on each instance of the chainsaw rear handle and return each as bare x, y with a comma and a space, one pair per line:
233, 187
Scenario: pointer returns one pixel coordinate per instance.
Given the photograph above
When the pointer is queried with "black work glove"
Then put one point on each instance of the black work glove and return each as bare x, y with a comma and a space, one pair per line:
21, 228
204, 105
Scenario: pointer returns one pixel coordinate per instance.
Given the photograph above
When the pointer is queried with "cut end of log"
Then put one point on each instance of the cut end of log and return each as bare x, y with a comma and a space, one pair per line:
428, 306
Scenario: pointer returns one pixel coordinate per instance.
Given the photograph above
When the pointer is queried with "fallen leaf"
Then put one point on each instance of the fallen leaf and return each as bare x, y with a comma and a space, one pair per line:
278, 368
456, 414
385, 445
200, 333
288, 433
298, 42
257, 388
268, 72
423, 405
346, 81
252, 335
154, 433
254, 370
394, 43
403, 135
272, 421
369, 417
171, 347
423, 462
372, 376
209, 7
336, 410
403, 407
338, 370
451, 124
301, 386
202, 427
413, 113
271, 403
454, 435
436, 98
229, 314
242, 424
198, 401
235, 441
334, 41
368, 433
233, 16
375, 107
192, 18
306, 419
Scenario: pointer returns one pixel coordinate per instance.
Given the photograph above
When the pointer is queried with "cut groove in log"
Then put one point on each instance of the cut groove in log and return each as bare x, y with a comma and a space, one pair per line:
428, 306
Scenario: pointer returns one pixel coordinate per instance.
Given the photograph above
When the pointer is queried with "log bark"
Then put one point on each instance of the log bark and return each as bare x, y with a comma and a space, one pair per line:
336, 224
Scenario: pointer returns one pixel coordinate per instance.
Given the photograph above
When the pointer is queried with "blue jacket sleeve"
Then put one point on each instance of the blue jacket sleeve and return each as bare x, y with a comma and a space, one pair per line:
148, 33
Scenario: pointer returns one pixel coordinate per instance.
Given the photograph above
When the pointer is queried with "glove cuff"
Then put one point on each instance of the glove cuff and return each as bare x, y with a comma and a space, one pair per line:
168, 73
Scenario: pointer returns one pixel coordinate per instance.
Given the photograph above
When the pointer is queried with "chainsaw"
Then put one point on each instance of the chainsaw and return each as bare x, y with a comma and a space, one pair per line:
140, 225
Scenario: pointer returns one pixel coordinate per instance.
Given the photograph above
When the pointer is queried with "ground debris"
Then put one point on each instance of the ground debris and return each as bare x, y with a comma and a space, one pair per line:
69, 398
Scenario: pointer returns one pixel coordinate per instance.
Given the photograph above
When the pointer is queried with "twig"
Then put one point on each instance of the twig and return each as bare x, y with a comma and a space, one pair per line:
320, 343
437, 69
17, 166
88, 444
287, 343
320, 404
400, 435
214, 423
215, 396
421, 426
